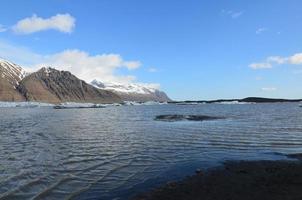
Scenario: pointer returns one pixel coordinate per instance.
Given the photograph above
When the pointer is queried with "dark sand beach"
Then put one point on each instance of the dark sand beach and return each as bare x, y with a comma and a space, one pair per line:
243, 180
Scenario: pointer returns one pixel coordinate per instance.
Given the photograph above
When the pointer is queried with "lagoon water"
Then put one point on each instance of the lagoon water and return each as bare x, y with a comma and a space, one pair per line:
117, 152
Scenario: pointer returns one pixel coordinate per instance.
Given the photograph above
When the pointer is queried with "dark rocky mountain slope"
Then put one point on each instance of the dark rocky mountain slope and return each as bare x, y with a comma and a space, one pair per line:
54, 86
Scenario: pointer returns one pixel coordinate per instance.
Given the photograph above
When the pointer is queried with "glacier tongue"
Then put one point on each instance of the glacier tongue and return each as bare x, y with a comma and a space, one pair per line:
125, 88
134, 91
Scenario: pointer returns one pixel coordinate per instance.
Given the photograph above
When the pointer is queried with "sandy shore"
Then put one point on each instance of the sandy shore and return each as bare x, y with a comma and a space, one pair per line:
244, 180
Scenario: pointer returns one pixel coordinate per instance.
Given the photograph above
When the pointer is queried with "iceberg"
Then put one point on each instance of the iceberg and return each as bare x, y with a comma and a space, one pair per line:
5, 104
73, 105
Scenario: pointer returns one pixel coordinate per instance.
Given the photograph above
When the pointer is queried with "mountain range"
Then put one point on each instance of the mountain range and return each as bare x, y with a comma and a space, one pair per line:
54, 86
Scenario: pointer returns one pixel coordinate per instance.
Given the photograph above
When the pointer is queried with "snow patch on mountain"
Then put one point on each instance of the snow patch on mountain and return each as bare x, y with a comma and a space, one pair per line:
137, 88
134, 91
11, 71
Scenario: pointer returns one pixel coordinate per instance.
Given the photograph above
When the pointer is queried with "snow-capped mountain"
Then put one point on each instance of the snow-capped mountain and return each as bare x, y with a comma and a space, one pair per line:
51, 85
133, 91
10, 76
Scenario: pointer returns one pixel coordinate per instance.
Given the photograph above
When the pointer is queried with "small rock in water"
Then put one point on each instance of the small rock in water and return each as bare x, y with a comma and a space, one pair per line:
198, 171
172, 184
173, 118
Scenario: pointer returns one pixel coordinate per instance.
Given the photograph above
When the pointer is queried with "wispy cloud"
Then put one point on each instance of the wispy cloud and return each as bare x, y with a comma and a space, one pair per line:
295, 59
232, 14
276, 59
2, 28
152, 70
61, 22
259, 78
269, 89
18, 54
261, 30
263, 65
132, 64
237, 14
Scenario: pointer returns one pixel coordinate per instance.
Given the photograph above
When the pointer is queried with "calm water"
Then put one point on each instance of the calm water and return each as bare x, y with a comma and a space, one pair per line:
115, 152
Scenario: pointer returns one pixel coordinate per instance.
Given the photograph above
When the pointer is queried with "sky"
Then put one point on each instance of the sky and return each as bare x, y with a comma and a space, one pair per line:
191, 49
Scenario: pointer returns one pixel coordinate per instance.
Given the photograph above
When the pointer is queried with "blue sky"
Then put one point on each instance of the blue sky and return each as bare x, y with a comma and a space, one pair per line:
195, 49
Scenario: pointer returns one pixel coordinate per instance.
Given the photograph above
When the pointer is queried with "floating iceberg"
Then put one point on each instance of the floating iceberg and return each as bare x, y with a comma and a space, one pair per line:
73, 105
4, 104
148, 103
233, 102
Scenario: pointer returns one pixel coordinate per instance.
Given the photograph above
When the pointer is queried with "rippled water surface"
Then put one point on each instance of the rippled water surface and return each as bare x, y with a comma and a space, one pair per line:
117, 152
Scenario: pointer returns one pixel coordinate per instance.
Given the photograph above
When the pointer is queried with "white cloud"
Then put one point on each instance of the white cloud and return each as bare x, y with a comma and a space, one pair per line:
87, 67
276, 59
2, 28
61, 22
295, 59
269, 89
232, 14
261, 30
263, 65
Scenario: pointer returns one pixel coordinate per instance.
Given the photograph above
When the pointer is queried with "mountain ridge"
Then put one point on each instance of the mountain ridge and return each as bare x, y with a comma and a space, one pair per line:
54, 86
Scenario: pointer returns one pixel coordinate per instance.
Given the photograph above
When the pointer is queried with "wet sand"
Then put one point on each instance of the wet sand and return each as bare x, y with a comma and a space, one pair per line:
244, 180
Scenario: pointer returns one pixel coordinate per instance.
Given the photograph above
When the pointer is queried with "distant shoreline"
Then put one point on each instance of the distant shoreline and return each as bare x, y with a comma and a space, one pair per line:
186, 102
248, 180
244, 100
